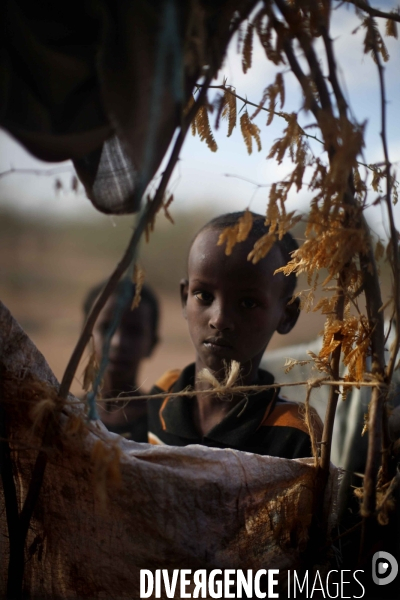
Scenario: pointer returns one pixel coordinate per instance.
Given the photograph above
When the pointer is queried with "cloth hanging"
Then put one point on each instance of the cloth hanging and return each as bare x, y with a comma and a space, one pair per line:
104, 83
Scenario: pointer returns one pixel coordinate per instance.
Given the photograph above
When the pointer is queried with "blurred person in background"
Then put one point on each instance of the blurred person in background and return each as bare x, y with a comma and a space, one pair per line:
133, 339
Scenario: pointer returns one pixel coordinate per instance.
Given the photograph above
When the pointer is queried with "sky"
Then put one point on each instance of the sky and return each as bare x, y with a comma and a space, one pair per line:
228, 179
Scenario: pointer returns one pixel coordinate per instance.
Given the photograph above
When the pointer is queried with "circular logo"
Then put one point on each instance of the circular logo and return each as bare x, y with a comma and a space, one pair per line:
384, 568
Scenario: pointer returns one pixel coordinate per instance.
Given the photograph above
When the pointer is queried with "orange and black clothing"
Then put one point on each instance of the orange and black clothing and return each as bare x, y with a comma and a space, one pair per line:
261, 423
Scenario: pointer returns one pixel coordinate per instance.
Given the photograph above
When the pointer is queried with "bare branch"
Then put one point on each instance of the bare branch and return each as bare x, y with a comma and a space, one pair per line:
379, 437
374, 12
39, 172
282, 114
51, 426
327, 433
394, 259
293, 20
295, 65
341, 102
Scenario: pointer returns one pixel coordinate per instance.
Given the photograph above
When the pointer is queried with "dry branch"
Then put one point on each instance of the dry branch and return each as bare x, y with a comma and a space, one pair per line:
51, 426
374, 12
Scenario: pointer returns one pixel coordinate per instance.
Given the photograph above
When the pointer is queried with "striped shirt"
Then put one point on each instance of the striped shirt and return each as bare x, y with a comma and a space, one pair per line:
262, 423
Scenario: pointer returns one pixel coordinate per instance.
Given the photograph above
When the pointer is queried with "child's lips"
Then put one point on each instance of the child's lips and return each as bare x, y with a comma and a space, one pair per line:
119, 364
219, 345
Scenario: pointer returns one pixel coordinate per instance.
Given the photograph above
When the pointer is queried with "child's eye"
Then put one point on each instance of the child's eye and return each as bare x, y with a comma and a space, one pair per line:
104, 327
248, 303
204, 297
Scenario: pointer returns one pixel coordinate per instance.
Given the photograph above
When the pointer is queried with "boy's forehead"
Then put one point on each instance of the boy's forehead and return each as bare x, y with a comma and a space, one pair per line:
206, 256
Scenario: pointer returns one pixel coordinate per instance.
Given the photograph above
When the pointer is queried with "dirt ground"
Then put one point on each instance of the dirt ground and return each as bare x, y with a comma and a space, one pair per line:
45, 273
55, 327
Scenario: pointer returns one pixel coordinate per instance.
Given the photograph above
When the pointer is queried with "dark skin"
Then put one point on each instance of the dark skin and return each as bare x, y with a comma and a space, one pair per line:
133, 341
232, 308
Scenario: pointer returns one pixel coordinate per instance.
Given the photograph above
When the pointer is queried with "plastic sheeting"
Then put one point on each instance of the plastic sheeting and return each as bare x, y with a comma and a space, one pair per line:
165, 507
104, 83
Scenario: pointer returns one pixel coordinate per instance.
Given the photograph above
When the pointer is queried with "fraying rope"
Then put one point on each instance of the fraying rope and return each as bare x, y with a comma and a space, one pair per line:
222, 389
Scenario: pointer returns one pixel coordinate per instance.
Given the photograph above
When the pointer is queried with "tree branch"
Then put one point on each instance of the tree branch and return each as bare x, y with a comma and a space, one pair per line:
374, 12
293, 19
52, 423
39, 172
227, 88
340, 99
395, 262
378, 431
326, 442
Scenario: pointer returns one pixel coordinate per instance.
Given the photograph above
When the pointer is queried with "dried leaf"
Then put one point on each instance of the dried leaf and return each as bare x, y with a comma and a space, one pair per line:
203, 128
264, 31
249, 131
247, 48
290, 363
391, 28
373, 41
262, 247
228, 236
232, 111
281, 88
245, 225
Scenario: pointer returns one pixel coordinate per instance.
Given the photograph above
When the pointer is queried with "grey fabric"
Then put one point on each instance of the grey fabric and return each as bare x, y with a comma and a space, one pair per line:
105, 83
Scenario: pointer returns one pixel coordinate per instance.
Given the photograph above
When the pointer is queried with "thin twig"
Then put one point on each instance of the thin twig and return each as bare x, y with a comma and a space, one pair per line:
281, 114
367, 262
149, 213
294, 64
40, 172
294, 21
379, 436
394, 259
51, 426
334, 392
340, 99
374, 12
242, 389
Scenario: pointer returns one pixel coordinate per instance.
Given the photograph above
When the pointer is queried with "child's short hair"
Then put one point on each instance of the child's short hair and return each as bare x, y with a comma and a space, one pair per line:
287, 244
126, 287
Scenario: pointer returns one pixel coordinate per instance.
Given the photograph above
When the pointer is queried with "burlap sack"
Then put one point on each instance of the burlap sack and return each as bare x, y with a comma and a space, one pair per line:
109, 507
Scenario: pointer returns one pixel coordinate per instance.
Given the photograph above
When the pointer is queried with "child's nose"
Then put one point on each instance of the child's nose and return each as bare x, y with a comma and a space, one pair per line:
116, 340
220, 318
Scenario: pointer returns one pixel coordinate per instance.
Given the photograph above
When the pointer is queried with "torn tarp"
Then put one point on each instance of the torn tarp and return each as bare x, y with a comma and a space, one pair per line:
109, 507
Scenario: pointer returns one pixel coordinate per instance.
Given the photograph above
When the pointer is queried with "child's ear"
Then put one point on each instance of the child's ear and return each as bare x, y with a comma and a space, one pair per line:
289, 317
184, 287
154, 343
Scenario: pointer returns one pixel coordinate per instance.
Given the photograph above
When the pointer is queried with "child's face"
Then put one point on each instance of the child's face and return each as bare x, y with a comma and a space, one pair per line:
232, 306
132, 341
